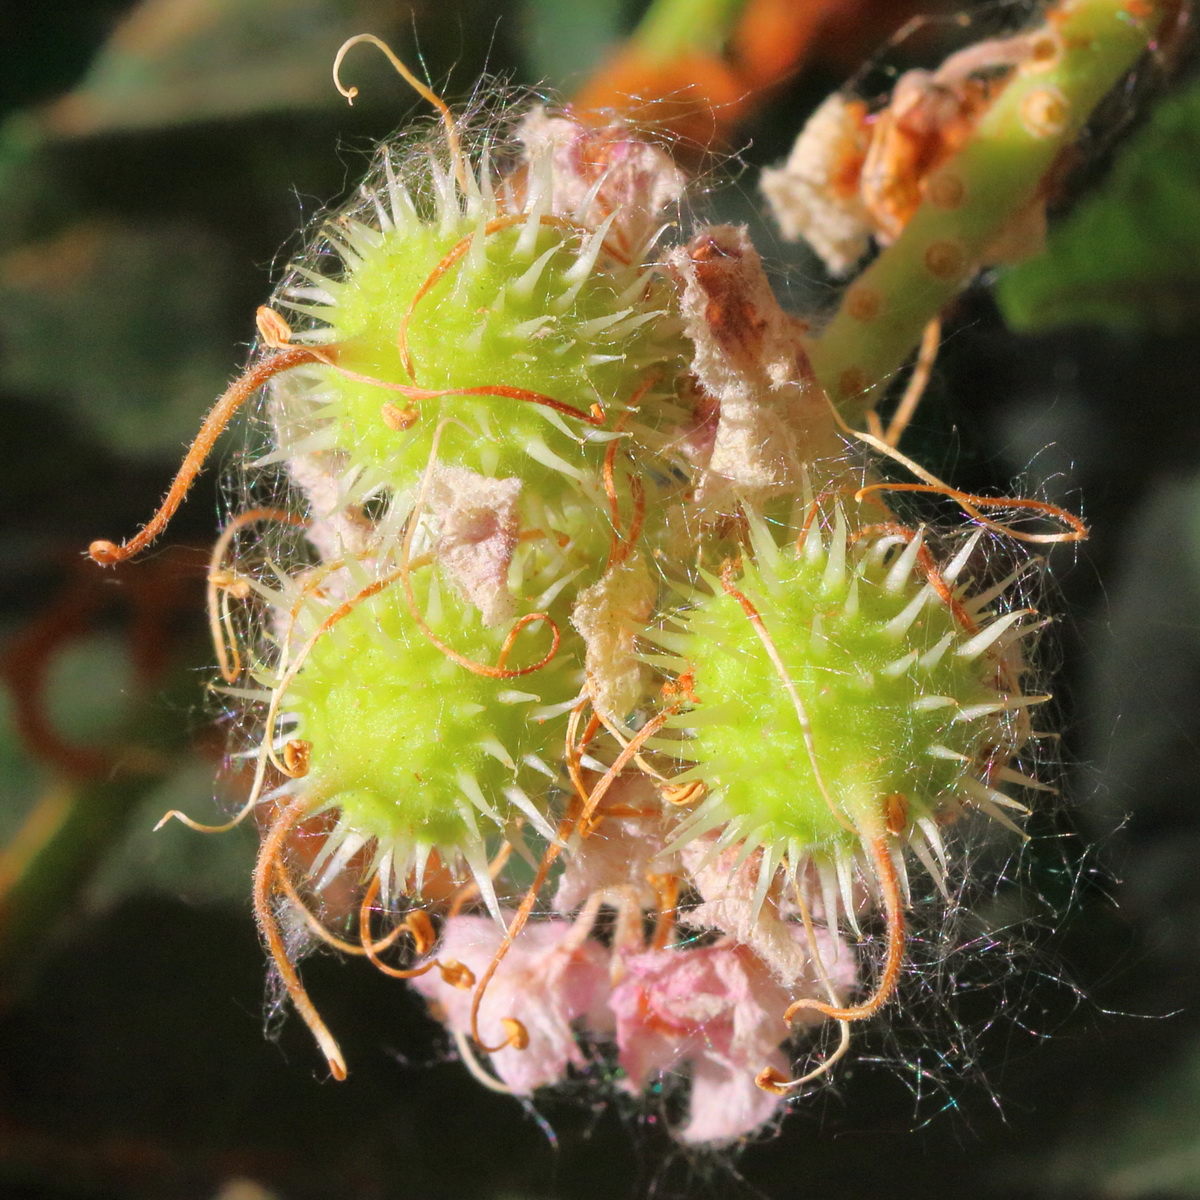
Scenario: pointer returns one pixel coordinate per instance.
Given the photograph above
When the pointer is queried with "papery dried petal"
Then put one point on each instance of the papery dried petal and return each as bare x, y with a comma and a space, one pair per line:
622, 851
750, 357
601, 170
717, 1008
815, 194
609, 615
728, 904
477, 521
550, 978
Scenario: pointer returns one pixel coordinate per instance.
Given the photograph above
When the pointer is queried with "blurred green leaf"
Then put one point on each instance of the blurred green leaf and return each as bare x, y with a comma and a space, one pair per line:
177, 61
123, 325
1149, 1148
565, 39
201, 868
1129, 257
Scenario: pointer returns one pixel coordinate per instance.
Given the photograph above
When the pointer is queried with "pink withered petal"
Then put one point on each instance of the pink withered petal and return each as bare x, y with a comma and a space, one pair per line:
601, 170
622, 853
477, 531
727, 902
749, 357
718, 1009
549, 979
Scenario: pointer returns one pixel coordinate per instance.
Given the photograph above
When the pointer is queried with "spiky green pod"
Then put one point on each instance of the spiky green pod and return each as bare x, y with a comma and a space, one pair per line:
449, 284
413, 749
970, 203
841, 697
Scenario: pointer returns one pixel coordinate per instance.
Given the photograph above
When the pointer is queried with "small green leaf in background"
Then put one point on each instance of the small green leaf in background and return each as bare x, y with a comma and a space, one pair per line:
564, 39
123, 325
1147, 1150
1128, 258
176, 61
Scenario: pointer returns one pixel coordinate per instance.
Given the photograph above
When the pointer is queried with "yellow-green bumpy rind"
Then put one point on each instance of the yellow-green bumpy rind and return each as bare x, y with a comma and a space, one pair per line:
395, 726
888, 707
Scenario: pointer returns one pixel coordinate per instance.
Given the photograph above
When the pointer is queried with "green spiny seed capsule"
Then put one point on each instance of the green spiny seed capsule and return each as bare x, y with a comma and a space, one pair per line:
847, 695
461, 293
417, 731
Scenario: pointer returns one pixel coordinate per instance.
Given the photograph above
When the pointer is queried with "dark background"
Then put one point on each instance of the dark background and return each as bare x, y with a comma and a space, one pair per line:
144, 221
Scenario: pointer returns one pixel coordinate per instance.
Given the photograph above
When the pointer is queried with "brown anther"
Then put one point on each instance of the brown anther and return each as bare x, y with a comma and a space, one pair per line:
773, 1081
275, 332
420, 929
946, 261
457, 974
296, 756
518, 1035
864, 303
945, 190
398, 419
895, 813
684, 793
1046, 113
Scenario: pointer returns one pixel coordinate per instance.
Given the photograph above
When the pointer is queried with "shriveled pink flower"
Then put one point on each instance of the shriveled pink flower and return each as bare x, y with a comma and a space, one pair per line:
729, 902
749, 357
602, 170
623, 852
477, 531
550, 978
718, 1009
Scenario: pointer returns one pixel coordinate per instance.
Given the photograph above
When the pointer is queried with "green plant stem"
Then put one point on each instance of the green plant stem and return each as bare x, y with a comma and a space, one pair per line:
672, 28
976, 198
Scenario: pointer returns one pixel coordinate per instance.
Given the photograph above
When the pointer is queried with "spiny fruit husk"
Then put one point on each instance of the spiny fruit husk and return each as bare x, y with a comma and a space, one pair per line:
413, 750
450, 281
846, 693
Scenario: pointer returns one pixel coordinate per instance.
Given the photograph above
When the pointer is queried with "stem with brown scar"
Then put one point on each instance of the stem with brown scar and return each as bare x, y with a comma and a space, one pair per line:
108, 553
266, 870
893, 904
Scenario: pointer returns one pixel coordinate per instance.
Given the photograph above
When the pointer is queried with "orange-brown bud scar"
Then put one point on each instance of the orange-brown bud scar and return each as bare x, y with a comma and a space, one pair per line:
1046, 113
946, 261
945, 190
864, 303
